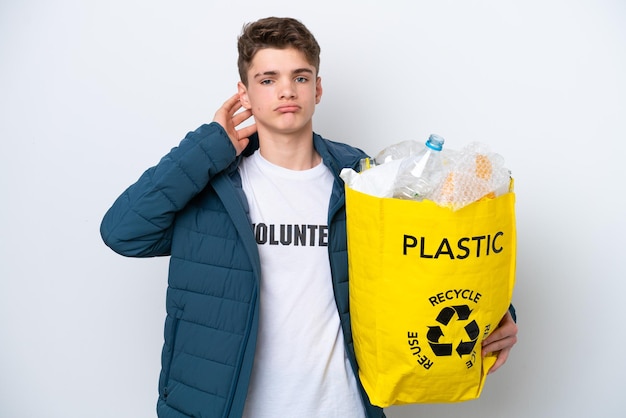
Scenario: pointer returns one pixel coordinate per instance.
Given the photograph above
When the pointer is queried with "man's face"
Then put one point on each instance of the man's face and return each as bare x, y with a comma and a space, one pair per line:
282, 91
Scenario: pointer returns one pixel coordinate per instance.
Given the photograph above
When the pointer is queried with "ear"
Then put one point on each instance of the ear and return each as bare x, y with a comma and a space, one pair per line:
243, 95
318, 90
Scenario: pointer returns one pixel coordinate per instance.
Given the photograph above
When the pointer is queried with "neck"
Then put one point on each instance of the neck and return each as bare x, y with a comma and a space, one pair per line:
290, 151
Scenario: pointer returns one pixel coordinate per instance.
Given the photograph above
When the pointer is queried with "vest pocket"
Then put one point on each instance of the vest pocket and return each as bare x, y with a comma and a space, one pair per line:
168, 349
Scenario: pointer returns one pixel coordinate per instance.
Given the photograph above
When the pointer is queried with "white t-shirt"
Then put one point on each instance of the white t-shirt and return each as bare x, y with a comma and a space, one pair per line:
300, 367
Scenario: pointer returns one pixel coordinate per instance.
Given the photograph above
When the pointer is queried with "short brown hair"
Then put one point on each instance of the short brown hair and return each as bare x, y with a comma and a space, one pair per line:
275, 32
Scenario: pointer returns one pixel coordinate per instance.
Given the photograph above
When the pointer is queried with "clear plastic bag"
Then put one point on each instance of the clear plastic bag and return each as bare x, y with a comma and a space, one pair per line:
454, 179
475, 173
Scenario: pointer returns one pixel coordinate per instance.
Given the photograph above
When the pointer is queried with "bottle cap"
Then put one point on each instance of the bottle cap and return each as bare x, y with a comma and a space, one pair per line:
435, 142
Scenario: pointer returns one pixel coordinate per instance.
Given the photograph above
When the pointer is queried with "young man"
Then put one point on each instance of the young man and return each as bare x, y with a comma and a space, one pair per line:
258, 321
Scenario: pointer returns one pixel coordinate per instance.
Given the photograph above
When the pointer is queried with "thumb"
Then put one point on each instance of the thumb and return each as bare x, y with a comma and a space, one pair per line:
241, 145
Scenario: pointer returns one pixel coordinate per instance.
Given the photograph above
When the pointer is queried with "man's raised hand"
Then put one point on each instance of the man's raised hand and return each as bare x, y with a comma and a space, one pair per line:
228, 117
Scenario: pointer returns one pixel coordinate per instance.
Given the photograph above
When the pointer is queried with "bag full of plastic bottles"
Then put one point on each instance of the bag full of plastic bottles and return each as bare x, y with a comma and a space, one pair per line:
431, 250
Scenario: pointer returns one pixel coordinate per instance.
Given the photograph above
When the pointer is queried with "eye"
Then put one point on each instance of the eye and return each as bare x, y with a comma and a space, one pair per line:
301, 79
266, 82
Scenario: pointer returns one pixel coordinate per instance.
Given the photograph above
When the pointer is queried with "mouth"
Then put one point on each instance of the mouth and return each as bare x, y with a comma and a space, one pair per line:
288, 108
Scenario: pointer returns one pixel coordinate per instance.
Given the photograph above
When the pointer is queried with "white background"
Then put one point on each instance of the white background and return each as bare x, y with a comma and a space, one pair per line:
94, 92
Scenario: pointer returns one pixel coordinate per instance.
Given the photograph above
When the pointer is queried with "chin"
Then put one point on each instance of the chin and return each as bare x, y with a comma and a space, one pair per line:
287, 129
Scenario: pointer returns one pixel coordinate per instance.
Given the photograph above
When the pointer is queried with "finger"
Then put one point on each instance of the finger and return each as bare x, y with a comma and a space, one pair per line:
229, 107
231, 102
241, 117
498, 334
503, 344
506, 328
236, 105
502, 358
242, 144
223, 114
246, 131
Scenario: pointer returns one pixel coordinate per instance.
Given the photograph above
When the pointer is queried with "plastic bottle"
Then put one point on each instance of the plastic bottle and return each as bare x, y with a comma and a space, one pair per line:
398, 151
366, 163
419, 174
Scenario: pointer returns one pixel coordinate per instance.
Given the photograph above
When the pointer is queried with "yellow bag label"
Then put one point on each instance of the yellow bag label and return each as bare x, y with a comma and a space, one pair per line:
427, 285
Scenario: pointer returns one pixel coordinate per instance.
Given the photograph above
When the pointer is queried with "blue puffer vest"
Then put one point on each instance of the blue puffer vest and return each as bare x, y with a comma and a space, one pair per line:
191, 206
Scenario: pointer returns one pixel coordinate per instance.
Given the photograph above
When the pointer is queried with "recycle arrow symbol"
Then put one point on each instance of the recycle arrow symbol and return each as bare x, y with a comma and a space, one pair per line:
446, 314
440, 349
466, 347
435, 333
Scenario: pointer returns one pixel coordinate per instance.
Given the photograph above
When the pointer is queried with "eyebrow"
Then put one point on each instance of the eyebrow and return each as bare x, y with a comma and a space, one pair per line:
274, 73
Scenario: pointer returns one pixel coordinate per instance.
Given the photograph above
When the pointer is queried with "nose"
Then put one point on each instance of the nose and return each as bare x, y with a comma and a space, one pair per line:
287, 90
